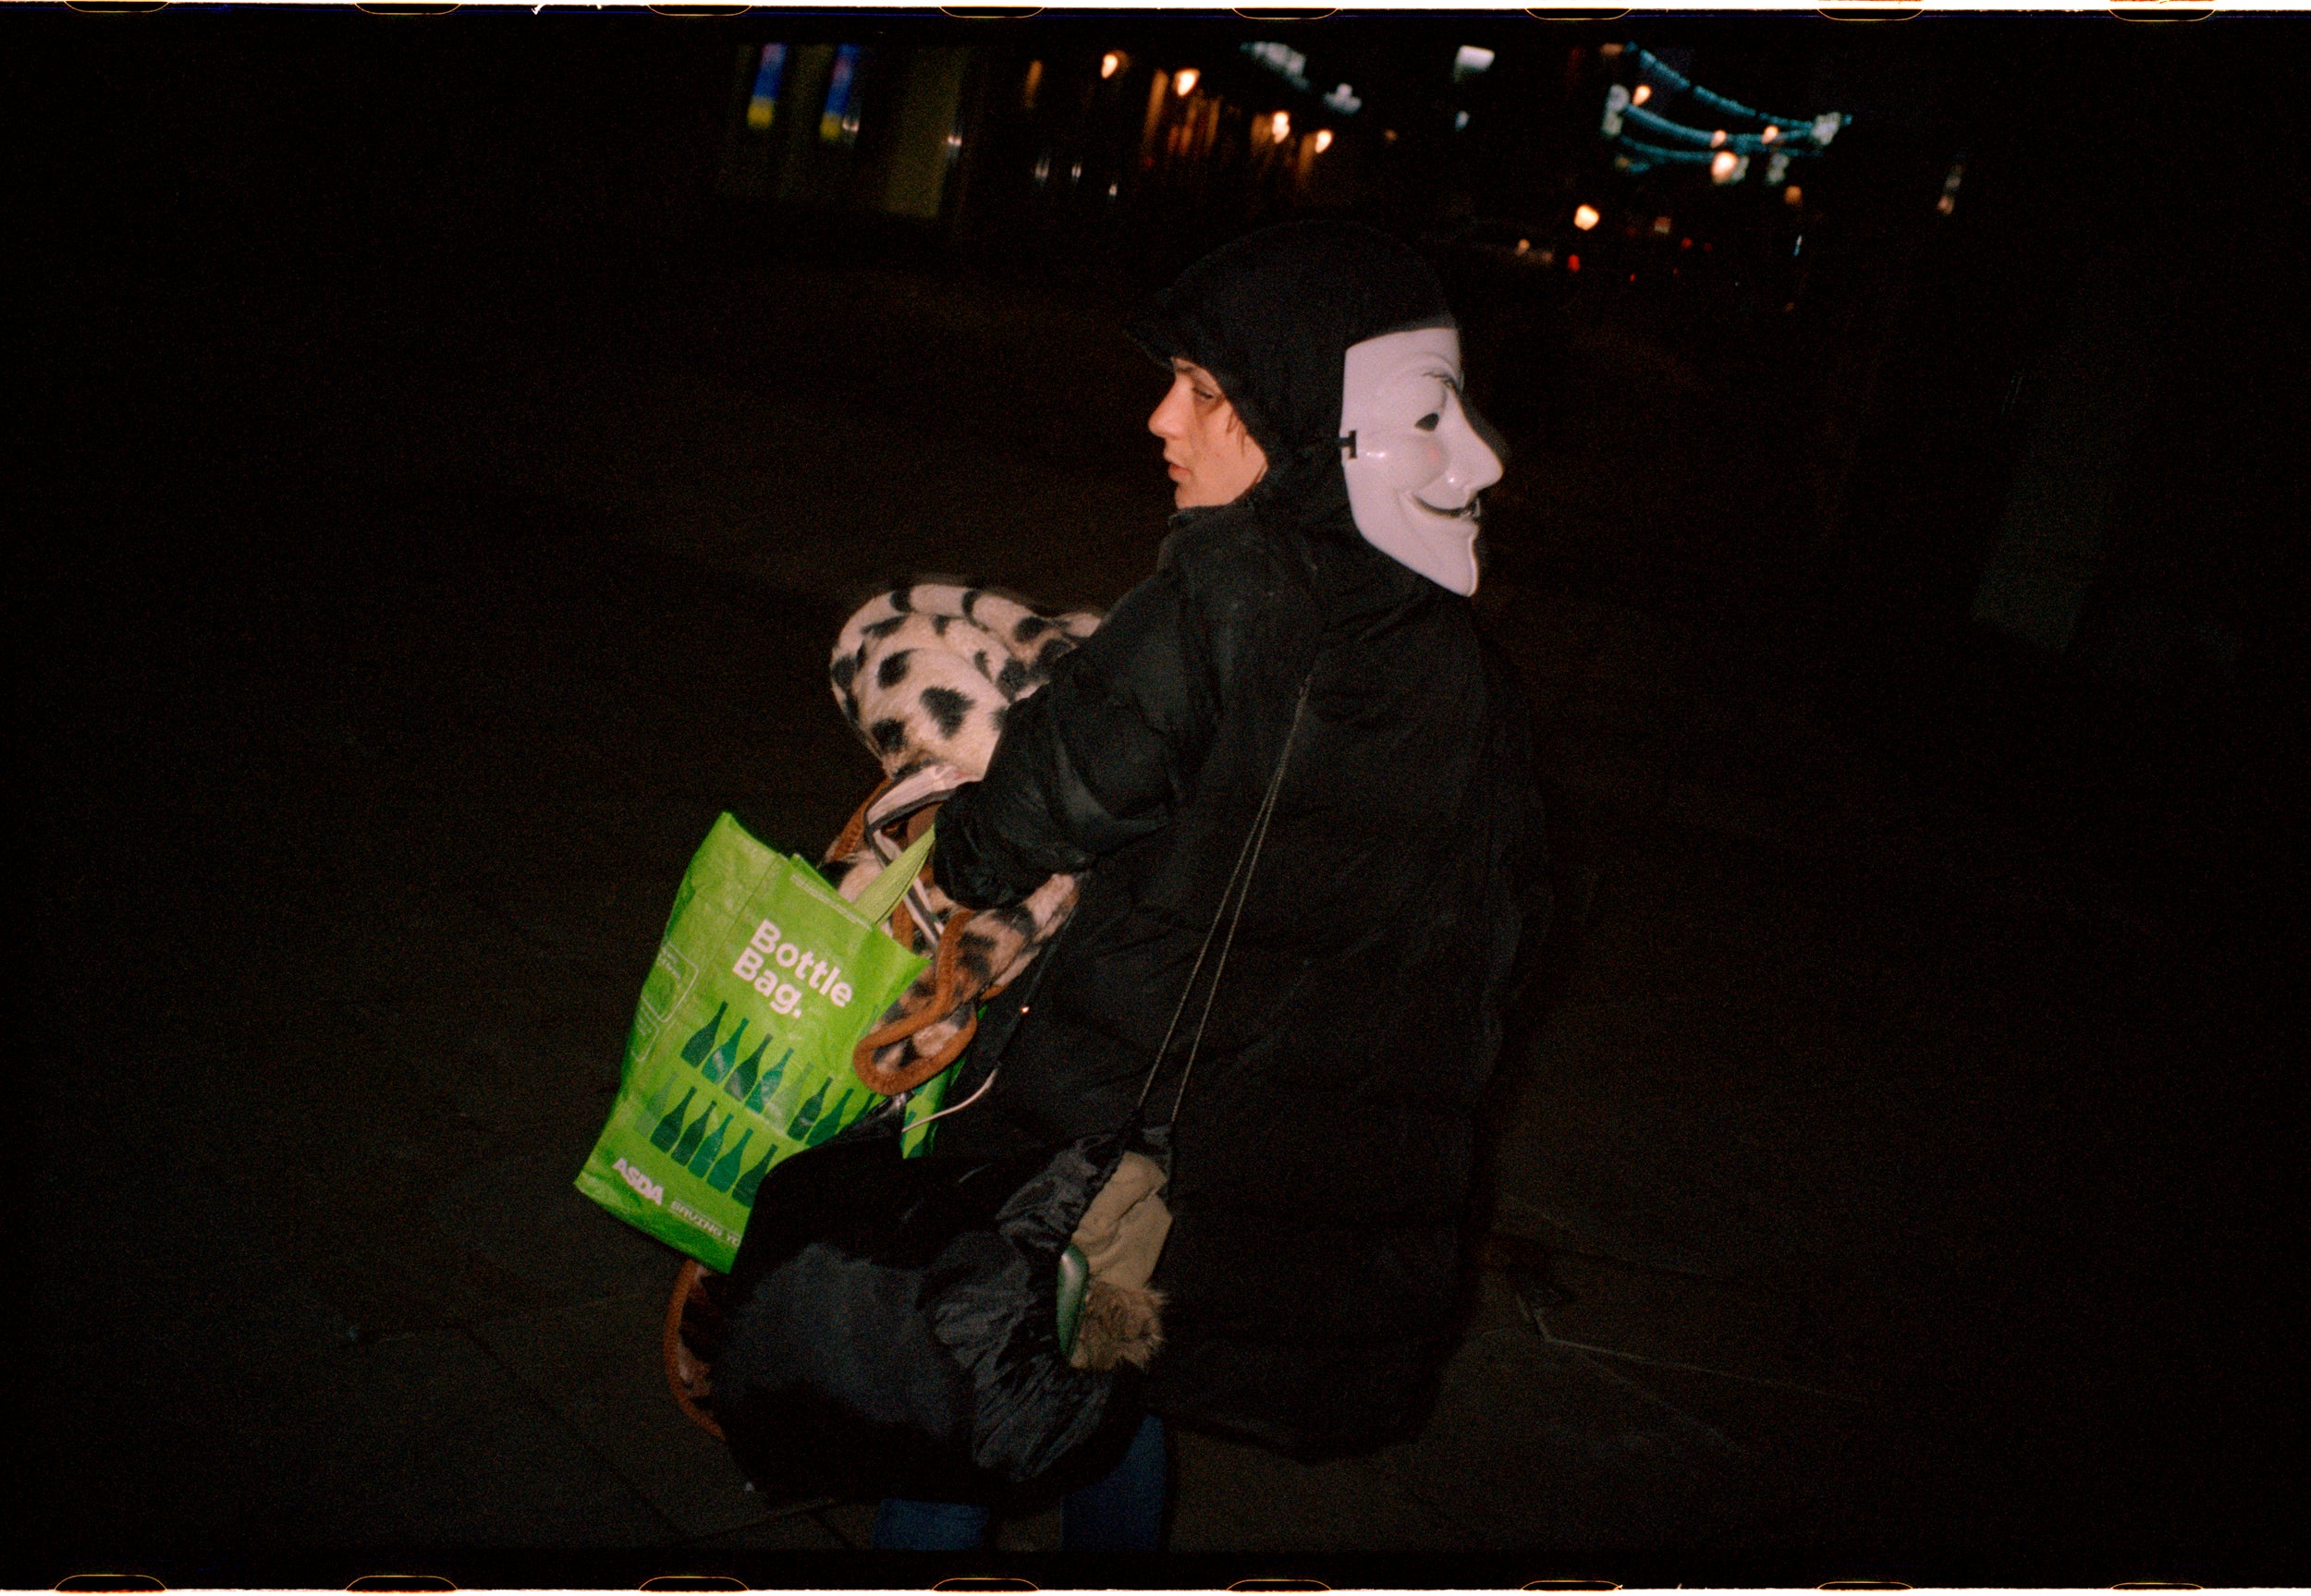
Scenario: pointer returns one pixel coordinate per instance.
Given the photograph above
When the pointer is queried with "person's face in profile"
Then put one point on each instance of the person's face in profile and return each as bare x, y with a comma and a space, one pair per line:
1206, 446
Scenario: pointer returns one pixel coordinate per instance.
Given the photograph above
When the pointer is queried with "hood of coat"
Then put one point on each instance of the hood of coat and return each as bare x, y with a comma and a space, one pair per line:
1272, 316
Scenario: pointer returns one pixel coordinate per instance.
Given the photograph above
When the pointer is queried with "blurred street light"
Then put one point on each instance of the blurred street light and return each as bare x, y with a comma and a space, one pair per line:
1639, 95
1585, 217
1793, 196
1184, 85
1110, 64
1724, 167
1280, 126
1324, 139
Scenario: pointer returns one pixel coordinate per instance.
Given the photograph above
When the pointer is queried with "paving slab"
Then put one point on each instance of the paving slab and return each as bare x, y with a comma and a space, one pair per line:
437, 1445
1236, 1498
598, 1367
1533, 1448
523, 1214
811, 1531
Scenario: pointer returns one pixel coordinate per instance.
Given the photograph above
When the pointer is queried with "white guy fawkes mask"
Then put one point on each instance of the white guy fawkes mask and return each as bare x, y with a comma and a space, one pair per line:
1415, 462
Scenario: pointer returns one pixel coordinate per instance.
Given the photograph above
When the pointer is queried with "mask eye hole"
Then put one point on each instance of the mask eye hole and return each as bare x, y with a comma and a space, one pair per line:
1427, 424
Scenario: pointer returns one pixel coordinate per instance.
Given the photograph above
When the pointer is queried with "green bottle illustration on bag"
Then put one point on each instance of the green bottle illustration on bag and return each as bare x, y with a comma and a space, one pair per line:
718, 1063
709, 1149
741, 1080
695, 1050
726, 1171
658, 1098
694, 1135
751, 1181
768, 1087
798, 1127
829, 1122
671, 1125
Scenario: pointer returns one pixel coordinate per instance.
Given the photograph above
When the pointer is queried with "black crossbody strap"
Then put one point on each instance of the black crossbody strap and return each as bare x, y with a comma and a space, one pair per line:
1239, 887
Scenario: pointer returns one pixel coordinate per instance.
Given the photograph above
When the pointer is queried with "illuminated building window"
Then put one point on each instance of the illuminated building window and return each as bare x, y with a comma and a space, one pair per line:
839, 123
1281, 59
762, 103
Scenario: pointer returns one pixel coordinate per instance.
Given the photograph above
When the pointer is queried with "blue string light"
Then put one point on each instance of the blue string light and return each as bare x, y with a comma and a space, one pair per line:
1792, 136
1655, 153
1652, 65
1740, 143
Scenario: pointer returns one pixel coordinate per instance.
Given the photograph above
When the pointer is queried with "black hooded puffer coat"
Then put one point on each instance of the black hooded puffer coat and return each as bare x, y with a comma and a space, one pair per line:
1322, 1160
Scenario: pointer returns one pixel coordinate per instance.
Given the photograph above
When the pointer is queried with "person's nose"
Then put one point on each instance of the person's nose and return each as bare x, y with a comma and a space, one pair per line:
1165, 420
1471, 464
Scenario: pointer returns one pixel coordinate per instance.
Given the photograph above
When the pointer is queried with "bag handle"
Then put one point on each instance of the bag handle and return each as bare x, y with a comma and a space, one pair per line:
883, 893
1239, 887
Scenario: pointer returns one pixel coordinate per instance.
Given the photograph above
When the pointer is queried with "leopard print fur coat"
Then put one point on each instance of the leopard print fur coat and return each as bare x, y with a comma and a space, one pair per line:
925, 674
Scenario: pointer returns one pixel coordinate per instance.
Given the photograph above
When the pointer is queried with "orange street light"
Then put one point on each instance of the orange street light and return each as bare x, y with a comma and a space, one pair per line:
1184, 84
1642, 92
1324, 139
1280, 126
1110, 64
1585, 217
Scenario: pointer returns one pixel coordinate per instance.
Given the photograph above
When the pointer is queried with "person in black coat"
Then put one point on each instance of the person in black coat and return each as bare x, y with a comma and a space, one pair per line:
1328, 474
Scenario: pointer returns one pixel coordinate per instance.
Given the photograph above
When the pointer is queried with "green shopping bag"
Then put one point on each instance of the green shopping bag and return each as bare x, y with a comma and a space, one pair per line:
741, 1046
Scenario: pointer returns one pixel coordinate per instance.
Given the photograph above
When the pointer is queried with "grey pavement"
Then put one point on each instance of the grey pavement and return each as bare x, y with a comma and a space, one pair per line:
1843, 1219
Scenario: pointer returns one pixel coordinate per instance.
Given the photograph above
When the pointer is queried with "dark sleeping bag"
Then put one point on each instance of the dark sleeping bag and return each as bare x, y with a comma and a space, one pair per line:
890, 1326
